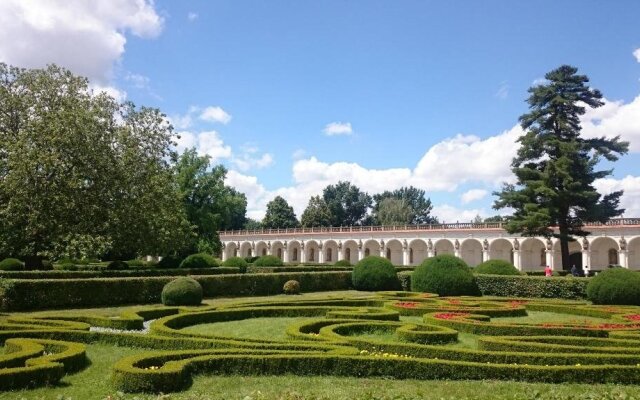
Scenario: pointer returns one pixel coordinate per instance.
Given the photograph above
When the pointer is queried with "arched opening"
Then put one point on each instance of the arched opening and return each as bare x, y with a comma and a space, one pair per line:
245, 249
329, 255
312, 255
633, 253
279, 253
501, 249
294, 256
389, 254
575, 253
371, 247
533, 255
604, 252
347, 254
277, 248
419, 249
230, 249
394, 251
350, 251
366, 252
312, 248
261, 249
443, 246
471, 252
613, 257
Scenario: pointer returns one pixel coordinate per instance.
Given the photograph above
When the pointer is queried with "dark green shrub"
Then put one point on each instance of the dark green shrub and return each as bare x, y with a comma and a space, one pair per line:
136, 263
375, 273
532, 286
496, 267
11, 264
117, 265
291, 287
235, 262
67, 266
199, 260
170, 261
182, 291
445, 275
251, 260
268, 261
615, 286
342, 263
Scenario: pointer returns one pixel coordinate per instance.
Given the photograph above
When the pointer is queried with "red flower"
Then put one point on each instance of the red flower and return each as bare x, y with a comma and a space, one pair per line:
450, 315
406, 304
633, 317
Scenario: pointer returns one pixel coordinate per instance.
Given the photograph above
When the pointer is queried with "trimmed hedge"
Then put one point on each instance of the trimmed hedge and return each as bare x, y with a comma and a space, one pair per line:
117, 265
445, 275
532, 286
374, 273
170, 261
11, 264
615, 286
291, 287
199, 260
29, 294
103, 273
268, 261
183, 291
343, 263
496, 267
235, 262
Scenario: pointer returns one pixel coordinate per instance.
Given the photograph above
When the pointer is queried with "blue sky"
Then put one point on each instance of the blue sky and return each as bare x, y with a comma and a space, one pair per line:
419, 92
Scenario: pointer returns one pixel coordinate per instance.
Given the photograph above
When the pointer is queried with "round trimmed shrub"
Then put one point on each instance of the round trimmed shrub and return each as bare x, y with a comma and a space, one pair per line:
170, 261
199, 260
445, 275
117, 265
235, 262
11, 264
615, 286
496, 267
374, 273
342, 263
268, 261
182, 291
291, 287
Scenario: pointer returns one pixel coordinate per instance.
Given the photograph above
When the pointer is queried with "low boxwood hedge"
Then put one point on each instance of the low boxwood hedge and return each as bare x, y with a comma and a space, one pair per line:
532, 286
199, 260
615, 286
11, 264
445, 275
374, 273
496, 267
268, 261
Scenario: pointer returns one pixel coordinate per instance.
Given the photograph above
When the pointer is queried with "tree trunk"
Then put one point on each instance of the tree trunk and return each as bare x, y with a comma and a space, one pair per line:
564, 247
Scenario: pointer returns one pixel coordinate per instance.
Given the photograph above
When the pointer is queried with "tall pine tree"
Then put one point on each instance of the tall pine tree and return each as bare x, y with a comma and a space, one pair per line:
555, 167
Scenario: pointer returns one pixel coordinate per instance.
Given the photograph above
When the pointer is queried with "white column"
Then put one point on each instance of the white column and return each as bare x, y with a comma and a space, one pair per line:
285, 254
456, 252
224, 252
430, 253
549, 258
360, 254
517, 262
269, 249
622, 257
485, 255
586, 260
405, 256
303, 254
320, 254
340, 252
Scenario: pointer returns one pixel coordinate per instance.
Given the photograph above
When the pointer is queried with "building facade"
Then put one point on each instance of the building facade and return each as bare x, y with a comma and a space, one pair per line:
615, 243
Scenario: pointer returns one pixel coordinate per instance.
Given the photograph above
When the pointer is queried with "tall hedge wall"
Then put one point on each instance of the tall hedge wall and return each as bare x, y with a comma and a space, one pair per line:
533, 286
104, 273
32, 294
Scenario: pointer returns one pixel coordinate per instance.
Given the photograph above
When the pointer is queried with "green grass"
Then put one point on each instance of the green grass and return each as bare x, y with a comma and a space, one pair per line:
255, 328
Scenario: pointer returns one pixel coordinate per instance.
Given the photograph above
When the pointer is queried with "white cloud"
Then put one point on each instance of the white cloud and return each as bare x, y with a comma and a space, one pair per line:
636, 54
338, 128
119, 95
138, 81
615, 118
298, 154
84, 36
256, 193
215, 114
503, 91
211, 144
473, 195
450, 214
630, 199
246, 162
539, 81
192, 16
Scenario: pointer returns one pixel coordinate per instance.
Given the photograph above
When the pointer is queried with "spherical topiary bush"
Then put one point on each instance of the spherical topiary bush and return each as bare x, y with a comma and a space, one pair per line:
291, 287
238, 262
182, 291
445, 275
342, 263
496, 267
11, 264
375, 273
117, 265
170, 261
615, 286
199, 260
268, 261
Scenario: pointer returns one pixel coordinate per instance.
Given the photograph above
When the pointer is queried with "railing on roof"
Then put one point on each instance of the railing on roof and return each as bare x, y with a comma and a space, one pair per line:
425, 227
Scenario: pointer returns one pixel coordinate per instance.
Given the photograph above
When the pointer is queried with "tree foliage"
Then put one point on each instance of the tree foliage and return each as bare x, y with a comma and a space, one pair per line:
317, 213
392, 211
279, 215
556, 167
348, 205
418, 205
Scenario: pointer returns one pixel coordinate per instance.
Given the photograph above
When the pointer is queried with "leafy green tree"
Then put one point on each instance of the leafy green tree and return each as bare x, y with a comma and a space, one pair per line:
495, 218
210, 205
556, 167
348, 205
414, 199
252, 224
392, 211
80, 172
317, 213
279, 215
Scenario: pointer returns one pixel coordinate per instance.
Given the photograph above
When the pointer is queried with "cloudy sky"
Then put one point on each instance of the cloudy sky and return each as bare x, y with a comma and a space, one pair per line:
294, 95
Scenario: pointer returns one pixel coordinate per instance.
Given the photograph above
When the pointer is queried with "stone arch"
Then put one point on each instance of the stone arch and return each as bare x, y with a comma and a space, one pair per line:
575, 254
443, 246
371, 247
602, 250
350, 249
394, 251
231, 249
533, 254
277, 249
246, 249
330, 248
311, 249
417, 251
471, 251
295, 252
261, 249
501, 249
633, 253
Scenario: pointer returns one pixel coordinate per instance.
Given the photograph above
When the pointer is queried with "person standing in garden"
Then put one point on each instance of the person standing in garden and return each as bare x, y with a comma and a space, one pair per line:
548, 271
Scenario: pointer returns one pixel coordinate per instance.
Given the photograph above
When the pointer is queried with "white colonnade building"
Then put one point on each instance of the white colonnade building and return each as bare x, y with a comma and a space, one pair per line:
615, 243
